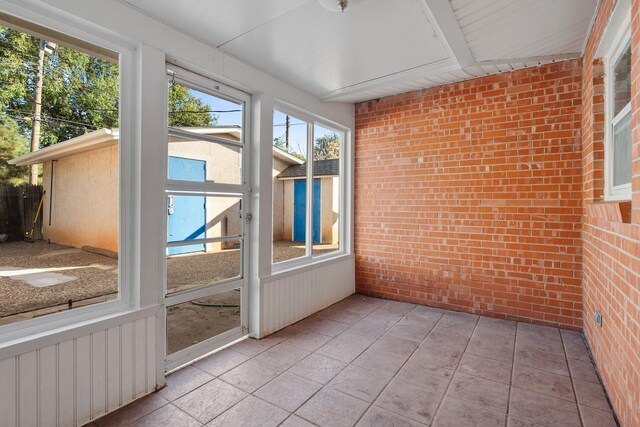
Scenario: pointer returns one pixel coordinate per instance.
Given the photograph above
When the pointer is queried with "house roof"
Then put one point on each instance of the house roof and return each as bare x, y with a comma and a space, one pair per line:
102, 138
330, 167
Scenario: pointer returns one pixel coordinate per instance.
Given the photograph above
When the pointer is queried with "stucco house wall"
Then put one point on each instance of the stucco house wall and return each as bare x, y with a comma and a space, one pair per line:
81, 207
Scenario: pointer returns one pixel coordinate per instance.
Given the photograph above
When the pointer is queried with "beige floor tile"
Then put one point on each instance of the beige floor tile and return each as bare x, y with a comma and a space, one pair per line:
591, 395
496, 348
220, 362
543, 382
341, 349
391, 344
555, 363
360, 383
433, 378
574, 345
380, 361
296, 421
332, 408
380, 417
183, 381
288, 391
583, 370
251, 412
309, 341
543, 410
461, 413
251, 375
167, 416
486, 368
207, 402
440, 356
318, 368
411, 331
283, 355
409, 400
482, 392
592, 417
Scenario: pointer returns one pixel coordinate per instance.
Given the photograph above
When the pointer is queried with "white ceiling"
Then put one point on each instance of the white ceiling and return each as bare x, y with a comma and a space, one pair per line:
382, 47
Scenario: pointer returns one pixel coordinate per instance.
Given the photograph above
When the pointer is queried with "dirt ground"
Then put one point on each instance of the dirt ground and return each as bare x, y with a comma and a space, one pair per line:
97, 276
195, 321
284, 250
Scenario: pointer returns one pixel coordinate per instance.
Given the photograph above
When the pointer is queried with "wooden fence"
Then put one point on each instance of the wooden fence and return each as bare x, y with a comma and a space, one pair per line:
18, 207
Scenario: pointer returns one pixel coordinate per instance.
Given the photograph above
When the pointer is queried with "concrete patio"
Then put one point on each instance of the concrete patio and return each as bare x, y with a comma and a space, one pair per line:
372, 362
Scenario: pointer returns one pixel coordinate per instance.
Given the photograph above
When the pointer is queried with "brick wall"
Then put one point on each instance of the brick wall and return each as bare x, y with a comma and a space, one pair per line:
611, 244
468, 196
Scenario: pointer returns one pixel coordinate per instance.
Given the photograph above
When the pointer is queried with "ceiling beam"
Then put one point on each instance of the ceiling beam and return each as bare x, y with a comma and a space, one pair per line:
445, 20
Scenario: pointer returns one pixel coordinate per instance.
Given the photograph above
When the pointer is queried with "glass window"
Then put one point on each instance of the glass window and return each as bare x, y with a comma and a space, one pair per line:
290, 141
619, 123
326, 190
60, 213
307, 195
197, 320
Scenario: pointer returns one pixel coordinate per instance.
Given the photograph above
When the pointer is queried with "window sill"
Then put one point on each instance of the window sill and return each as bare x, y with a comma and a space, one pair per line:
10, 345
611, 210
303, 264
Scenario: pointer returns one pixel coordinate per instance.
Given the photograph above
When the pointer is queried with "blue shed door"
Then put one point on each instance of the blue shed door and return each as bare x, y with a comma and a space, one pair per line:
300, 207
186, 214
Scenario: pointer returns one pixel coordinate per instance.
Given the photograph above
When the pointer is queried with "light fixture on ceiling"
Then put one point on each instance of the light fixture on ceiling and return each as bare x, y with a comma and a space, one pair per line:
334, 5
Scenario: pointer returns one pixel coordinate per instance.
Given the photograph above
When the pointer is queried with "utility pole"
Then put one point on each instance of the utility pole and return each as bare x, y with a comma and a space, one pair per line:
286, 132
37, 109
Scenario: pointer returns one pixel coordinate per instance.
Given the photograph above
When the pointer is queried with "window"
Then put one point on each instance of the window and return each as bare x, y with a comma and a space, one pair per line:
618, 118
60, 119
307, 189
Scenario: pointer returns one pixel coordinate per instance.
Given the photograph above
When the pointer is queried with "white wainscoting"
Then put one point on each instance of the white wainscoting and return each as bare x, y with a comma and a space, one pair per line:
292, 296
72, 382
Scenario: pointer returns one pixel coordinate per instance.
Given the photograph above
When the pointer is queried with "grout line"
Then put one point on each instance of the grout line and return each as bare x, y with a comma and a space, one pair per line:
513, 368
444, 395
573, 384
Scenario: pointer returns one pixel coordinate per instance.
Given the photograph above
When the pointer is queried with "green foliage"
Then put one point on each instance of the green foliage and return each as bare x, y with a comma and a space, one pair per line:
12, 144
79, 93
326, 147
187, 110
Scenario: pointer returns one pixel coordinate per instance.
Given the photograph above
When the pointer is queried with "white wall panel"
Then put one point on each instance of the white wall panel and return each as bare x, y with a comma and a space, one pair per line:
292, 296
75, 381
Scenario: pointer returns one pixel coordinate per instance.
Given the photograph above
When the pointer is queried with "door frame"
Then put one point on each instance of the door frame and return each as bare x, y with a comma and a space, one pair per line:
242, 190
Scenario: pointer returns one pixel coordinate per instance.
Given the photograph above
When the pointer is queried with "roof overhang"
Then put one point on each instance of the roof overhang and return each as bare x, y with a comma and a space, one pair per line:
100, 138
286, 157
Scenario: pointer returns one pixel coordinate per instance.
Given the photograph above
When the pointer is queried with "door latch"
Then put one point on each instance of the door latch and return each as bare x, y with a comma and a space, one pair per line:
248, 217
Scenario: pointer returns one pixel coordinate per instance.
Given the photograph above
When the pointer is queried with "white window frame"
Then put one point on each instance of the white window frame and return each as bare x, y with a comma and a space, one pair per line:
344, 178
27, 330
612, 47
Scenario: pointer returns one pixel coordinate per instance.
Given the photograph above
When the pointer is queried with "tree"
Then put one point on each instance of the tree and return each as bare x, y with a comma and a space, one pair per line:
79, 94
12, 144
280, 143
187, 110
326, 147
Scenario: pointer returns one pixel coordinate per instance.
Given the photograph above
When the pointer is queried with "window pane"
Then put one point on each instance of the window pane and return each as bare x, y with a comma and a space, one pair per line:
194, 110
195, 160
326, 190
193, 266
622, 80
622, 151
71, 209
192, 217
195, 321
289, 187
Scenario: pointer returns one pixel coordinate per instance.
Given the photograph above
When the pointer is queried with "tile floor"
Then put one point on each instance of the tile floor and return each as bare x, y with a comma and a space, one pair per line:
372, 362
